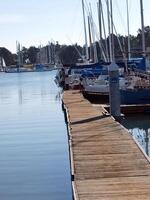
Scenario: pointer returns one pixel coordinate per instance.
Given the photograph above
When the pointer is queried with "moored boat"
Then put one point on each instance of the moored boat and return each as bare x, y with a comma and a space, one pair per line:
133, 90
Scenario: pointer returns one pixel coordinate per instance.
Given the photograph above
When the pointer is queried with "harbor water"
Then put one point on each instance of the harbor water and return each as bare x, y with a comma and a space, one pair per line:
139, 127
34, 157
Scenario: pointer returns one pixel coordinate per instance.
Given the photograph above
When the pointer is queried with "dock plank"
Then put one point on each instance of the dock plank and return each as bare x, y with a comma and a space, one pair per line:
106, 162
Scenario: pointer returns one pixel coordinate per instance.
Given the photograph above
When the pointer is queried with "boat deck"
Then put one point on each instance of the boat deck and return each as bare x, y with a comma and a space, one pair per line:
106, 162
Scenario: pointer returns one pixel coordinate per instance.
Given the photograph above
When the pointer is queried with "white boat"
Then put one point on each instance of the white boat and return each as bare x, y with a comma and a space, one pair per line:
100, 86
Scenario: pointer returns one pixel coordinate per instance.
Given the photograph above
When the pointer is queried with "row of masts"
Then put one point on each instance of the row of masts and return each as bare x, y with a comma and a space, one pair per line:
109, 53
46, 55
50, 54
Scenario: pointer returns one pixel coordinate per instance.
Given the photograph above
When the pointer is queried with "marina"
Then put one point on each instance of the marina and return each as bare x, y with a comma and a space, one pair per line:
77, 126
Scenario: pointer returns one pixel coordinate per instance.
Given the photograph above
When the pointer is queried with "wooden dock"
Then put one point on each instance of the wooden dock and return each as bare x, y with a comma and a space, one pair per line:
106, 162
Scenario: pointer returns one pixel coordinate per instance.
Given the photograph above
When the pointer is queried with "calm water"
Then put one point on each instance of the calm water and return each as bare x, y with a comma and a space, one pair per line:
34, 163
139, 127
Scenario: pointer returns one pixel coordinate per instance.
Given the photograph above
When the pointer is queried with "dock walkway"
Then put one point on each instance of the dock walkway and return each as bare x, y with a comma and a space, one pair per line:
106, 162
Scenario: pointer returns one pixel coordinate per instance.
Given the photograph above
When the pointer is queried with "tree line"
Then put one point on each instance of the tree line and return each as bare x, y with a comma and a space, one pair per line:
70, 54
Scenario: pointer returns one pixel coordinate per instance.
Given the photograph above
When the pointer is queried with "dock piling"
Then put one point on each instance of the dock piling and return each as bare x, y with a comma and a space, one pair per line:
114, 93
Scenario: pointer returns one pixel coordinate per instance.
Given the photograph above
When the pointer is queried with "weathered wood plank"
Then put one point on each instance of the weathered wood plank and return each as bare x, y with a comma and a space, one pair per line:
106, 162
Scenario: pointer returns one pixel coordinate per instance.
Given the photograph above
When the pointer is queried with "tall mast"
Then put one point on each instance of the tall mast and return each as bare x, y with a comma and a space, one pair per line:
18, 55
108, 17
49, 53
93, 35
54, 52
99, 7
142, 27
40, 54
106, 45
128, 26
112, 30
86, 45
90, 38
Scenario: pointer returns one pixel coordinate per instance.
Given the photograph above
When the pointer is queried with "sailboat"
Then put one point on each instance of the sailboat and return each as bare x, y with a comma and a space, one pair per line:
72, 75
134, 88
141, 92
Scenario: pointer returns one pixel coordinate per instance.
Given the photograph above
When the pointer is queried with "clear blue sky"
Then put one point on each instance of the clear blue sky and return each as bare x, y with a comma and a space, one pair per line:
35, 22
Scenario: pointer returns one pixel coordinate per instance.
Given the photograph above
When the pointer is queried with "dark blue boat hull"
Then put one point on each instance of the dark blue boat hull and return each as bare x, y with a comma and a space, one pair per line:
139, 96
127, 97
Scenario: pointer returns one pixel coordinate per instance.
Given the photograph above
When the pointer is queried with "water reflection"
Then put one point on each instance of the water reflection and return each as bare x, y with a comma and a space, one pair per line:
139, 127
59, 95
20, 95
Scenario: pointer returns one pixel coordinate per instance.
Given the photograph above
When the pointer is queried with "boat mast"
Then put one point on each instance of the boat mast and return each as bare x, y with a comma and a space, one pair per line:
86, 45
93, 35
128, 26
142, 27
18, 55
108, 18
112, 30
104, 48
104, 29
90, 38
54, 52
40, 54
99, 6
49, 54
